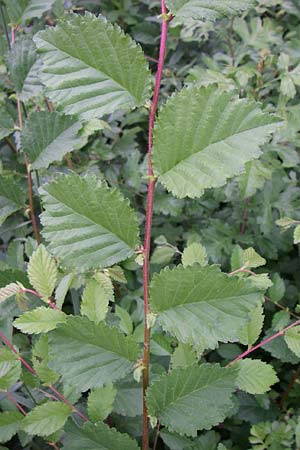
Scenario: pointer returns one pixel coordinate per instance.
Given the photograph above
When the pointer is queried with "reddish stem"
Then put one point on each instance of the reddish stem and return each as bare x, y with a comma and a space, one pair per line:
32, 292
8, 395
149, 214
264, 342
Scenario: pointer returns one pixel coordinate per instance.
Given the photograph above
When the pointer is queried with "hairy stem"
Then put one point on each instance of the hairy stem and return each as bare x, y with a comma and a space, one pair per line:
149, 214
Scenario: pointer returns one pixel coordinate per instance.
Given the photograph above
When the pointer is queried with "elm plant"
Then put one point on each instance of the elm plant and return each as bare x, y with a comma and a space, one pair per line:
88, 362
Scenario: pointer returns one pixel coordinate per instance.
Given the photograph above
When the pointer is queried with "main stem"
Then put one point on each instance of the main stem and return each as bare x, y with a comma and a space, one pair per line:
148, 226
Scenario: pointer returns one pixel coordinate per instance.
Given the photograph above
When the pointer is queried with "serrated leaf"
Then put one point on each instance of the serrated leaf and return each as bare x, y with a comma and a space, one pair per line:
279, 349
9, 290
255, 376
20, 61
100, 402
88, 225
15, 9
36, 8
174, 397
95, 301
48, 136
184, 355
10, 423
89, 354
254, 178
10, 369
277, 290
194, 253
251, 259
40, 320
62, 289
251, 332
6, 123
162, 255
129, 398
96, 437
40, 360
42, 272
297, 235
292, 339
207, 9
91, 67
203, 136
46, 419
125, 323
12, 198
202, 305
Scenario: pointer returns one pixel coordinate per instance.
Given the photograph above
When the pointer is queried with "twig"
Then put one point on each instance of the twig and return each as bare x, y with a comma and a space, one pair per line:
5, 25
289, 388
156, 435
11, 398
36, 294
245, 216
149, 214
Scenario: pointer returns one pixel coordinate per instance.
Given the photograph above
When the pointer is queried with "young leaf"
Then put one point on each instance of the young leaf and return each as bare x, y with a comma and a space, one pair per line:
91, 67
89, 354
46, 419
207, 9
183, 356
95, 300
40, 320
203, 136
9, 290
251, 332
104, 227
251, 259
42, 272
96, 437
10, 369
292, 339
202, 305
12, 198
10, 423
297, 235
40, 360
100, 402
48, 136
194, 253
255, 376
277, 290
173, 398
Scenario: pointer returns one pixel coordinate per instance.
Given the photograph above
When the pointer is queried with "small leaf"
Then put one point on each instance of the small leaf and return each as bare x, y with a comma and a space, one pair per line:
9, 290
36, 8
208, 388
95, 301
251, 332
162, 255
285, 222
96, 437
125, 324
62, 289
251, 259
39, 320
46, 419
292, 338
277, 291
12, 198
6, 123
297, 235
194, 253
10, 423
100, 402
40, 360
42, 272
255, 376
10, 369
183, 356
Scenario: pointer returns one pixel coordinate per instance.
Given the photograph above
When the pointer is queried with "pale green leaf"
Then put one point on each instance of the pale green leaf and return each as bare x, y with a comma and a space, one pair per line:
62, 289
203, 136
46, 419
95, 301
42, 272
125, 323
173, 398
96, 437
285, 222
194, 253
91, 67
87, 224
162, 255
20, 61
9, 290
202, 305
279, 349
255, 376
40, 360
261, 281
251, 259
10, 369
292, 338
6, 123
277, 290
10, 423
207, 9
254, 178
251, 332
15, 9
12, 198
48, 136
40, 320
184, 355
297, 235
36, 8
89, 354
100, 402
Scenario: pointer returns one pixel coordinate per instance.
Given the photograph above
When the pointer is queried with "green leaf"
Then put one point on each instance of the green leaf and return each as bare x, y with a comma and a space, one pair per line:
173, 398
129, 398
279, 349
207, 9
48, 136
9, 290
96, 437
20, 61
292, 339
162, 255
62, 289
95, 299
297, 235
255, 376
251, 259
194, 253
40, 320
12, 198
10, 369
277, 290
40, 360
254, 178
91, 67
42, 272
87, 224
6, 123
203, 136
9, 425
125, 323
100, 402
183, 356
36, 8
46, 419
91, 355
202, 305
251, 332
